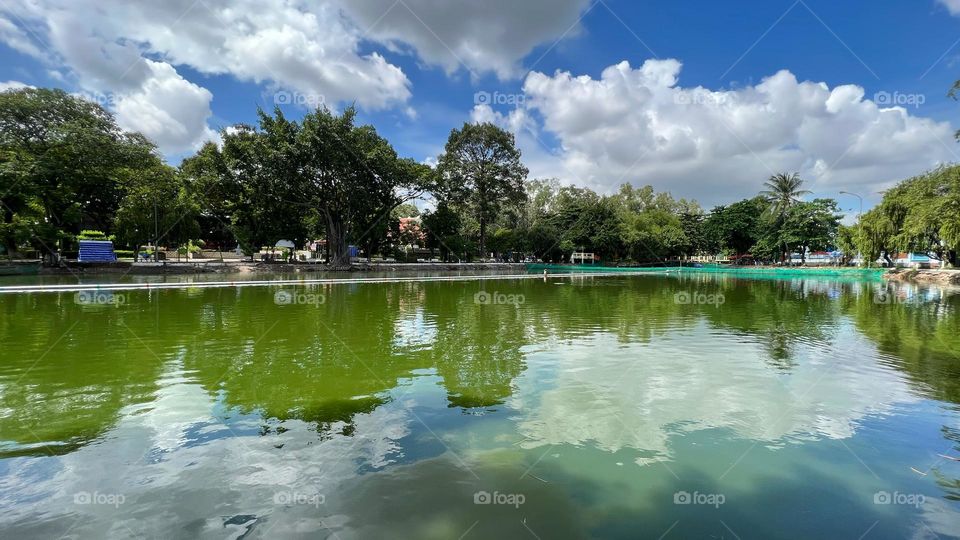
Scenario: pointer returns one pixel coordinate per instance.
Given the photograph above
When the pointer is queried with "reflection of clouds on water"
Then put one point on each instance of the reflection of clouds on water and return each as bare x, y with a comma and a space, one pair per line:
413, 330
615, 397
177, 465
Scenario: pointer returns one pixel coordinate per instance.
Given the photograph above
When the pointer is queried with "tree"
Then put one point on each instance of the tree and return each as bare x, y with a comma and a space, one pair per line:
782, 193
240, 187
442, 227
157, 207
810, 225
63, 163
350, 174
736, 228
919, 214
481, 170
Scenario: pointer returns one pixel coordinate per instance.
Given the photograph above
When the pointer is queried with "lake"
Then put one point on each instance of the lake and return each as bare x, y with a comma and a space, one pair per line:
566, 407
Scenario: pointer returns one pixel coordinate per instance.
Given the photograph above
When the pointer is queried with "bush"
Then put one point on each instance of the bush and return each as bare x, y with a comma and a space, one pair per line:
87, 234
123, 253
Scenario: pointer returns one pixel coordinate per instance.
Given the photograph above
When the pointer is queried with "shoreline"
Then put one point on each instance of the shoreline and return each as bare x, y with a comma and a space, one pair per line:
233, 267
941, 277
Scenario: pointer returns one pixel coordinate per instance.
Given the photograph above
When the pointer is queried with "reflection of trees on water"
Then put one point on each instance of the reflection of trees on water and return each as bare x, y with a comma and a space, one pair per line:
59, 389
329, 361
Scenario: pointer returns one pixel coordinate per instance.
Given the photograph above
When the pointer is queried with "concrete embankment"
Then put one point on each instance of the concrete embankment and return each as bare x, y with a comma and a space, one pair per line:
247, 267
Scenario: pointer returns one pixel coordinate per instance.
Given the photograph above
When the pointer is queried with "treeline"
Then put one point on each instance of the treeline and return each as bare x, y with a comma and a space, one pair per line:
66, 166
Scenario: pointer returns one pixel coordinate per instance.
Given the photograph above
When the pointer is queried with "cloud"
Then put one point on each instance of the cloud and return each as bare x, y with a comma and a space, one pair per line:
170, 110
953, 6
640, 126
307, 52
645, 404
12, 85
489, 36
135, 50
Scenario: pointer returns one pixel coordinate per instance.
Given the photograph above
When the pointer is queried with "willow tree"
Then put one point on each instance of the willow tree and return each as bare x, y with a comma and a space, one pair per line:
481, 170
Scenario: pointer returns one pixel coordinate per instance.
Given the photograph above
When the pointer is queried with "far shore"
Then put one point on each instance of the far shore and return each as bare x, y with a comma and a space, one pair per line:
943, 277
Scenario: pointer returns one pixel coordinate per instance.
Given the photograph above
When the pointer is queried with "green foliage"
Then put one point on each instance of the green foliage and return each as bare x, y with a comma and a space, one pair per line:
63, 165
921, 214
157, 208
88, 234
481, 171
737, 228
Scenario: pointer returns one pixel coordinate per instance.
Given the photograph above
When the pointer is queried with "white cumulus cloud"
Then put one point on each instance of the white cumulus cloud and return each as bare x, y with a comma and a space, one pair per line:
133, 51
639, 125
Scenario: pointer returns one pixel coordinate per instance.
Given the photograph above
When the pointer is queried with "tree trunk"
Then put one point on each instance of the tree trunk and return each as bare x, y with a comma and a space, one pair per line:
339, 250
483, 237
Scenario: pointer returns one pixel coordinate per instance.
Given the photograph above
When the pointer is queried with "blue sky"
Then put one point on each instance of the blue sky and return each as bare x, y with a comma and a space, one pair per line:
183, 71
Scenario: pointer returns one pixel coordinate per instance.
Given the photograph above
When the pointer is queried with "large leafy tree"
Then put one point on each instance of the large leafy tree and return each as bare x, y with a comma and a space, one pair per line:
811, 225
735, 228
481, 171
350, 175
241, 187
63, 165
157, 207
442, 228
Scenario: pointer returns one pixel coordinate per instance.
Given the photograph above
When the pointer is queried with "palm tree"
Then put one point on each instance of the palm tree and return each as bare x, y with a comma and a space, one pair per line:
783, 191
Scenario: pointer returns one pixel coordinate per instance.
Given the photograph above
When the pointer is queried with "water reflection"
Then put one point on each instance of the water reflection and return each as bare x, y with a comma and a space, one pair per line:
221, 398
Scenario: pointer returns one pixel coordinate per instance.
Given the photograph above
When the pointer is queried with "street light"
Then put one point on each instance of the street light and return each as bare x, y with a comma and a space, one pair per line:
859, 221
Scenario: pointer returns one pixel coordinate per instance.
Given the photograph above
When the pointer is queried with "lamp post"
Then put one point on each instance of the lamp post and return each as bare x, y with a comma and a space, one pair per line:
859, 221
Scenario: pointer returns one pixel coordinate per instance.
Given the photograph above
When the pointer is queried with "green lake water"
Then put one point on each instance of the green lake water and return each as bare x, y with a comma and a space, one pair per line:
663, 406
